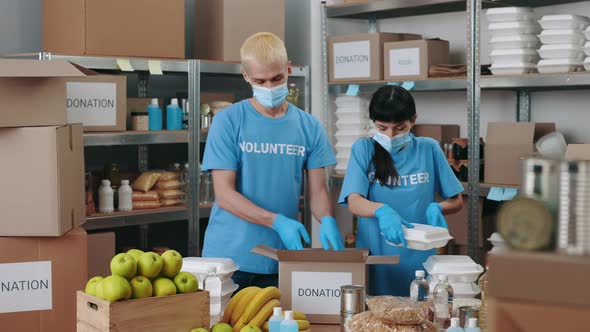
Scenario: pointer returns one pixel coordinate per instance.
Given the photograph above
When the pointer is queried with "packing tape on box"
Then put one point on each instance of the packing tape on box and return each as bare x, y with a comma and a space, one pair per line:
502, 194
124, 64
155, 67
353, 90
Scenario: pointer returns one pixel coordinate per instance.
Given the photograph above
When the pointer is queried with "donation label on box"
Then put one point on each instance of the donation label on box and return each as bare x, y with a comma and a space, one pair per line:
92, 104
352, 59
404, 62
318, 292
25, 286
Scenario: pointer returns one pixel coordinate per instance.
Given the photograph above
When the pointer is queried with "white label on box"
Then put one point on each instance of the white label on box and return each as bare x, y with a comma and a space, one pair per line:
404, 62
25, 286
92, 104
352, 59
318, 292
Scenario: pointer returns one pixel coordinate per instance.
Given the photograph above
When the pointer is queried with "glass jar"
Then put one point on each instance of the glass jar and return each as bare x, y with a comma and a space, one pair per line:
139, 121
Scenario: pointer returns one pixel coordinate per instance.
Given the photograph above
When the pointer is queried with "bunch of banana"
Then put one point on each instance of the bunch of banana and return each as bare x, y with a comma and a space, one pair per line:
299, 317
251, 306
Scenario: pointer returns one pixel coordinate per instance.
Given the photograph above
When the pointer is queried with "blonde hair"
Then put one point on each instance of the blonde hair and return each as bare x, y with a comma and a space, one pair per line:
265, 48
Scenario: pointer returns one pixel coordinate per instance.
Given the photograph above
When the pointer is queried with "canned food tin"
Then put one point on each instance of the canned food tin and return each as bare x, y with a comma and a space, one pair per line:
467, 312
574, 208
352, 302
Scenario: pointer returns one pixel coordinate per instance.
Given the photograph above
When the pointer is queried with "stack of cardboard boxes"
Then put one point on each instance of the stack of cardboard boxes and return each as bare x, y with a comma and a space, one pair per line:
44, 253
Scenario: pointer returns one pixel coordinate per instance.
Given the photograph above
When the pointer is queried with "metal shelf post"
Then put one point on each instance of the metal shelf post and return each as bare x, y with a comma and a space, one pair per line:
194, 144
523, 105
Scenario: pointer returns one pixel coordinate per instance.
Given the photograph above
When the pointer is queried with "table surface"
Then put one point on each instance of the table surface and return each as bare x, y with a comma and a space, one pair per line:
325, 328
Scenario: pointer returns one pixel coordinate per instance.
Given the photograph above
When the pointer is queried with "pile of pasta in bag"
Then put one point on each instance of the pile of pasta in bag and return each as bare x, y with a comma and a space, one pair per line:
393, 314
155, 189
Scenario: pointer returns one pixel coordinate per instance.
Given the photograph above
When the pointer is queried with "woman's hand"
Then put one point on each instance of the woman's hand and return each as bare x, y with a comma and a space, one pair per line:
390, 224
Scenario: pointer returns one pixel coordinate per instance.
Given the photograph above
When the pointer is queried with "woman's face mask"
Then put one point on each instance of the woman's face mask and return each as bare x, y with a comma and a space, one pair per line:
393, 144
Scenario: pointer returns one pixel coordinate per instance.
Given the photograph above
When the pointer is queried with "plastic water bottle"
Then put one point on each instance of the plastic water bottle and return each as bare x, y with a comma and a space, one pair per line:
289, 324
106, 198
455, 325
154, 115
443, 303
125, 197
173, 115
274, 323
472, 327
419, 289
213, 286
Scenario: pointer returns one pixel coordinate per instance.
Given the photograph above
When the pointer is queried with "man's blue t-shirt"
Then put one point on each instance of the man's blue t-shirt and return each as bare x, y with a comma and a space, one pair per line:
269, 156
423, 171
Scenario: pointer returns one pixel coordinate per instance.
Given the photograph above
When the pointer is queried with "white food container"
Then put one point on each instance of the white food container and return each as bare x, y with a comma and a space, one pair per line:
509, 14
351, 125
458, 268
514, 42
356, 132
574, 37
561, 51
227, 290
587, 64
359, 117
513, 68
514, 28
559, 66
587, 33
461, 290
518, 55
556, 22
587, 48
354, 102
425, 237
198, 267
497, 240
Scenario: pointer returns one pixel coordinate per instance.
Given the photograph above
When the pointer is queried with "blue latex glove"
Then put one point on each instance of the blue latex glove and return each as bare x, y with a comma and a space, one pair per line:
330, 234
390, 224
434, 216
290, 231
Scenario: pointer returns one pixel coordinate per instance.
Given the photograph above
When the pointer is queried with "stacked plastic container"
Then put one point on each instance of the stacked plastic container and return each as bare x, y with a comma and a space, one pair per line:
513, 40
461, 271
563, 43
587, 49
352, 123
425, 237
498, 244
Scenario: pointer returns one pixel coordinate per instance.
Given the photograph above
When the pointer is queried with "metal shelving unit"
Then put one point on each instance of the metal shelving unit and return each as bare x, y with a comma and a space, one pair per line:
522, 85
136, 138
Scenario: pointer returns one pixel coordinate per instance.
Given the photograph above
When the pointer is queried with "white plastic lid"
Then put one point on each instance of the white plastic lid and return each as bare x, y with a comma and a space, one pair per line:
426, 233
200, 264
420, 273
555, 47
288, 315
563, 17
472, 322
277, 311
514, 38
106, 182
174, 101
559, 62
509, 10
560, 32
125, 182
455, 322
155, 101
522, 51
443, 277
451, 264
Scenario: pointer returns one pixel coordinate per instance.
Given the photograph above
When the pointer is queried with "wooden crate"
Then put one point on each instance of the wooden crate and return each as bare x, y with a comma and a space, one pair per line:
175, 313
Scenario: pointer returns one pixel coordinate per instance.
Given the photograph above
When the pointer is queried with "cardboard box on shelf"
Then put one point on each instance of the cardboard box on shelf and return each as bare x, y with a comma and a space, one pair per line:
506, 144
360, 57
578, 152
101, 250
222, 26
39, 278
54, 93
459, 224
441, 133
43, 177
410, 60
310, 280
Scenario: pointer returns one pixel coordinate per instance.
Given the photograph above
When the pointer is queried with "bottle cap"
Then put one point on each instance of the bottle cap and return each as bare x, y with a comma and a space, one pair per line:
455, 322
443, 277
176, 165
186, 165
472, 322
124, 182
277, 311
106, 182
288, 315
420, 273
155, 101
174, 101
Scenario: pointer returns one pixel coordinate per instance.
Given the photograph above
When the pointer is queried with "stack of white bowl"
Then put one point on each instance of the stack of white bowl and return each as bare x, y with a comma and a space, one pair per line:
513, 40
498, 244
587, 49
563, 41
352, 123
462, 273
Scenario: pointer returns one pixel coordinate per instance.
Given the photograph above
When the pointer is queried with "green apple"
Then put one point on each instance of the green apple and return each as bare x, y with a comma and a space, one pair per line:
250, 328
124, 265
149, 265
135, 253
141, 287
186, 283
164, 287
115, 288
221, 327
200, 329
98, 289
91, 285
172, 263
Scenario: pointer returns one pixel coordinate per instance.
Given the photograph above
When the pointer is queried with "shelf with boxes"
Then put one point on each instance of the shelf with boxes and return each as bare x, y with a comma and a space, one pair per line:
136, 137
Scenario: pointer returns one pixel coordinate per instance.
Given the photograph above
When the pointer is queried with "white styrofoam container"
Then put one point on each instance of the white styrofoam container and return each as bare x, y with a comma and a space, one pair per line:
521, 55
552, 66
458, 268
497, 240
509, 14
561, 51
514, 28
198, 266
514, 42
568, 36
587, 33
587, 64
356, 132
350, 125
556, 22
513, 68
425, 237
460, 289
587, 48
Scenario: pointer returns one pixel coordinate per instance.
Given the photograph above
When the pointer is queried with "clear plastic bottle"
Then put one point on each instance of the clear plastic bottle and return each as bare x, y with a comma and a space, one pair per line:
293, 96
206, 195
213, 285
125, 194
106, 197
274, 323
443, 303
184, 180
455, 325
483, 309
289, 324
472, 327
419, 289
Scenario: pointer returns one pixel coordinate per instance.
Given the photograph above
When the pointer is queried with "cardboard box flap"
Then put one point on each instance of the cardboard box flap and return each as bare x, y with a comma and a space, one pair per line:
543, 128
266, 251
510, 133
36, 68
578, 152
389, 260
314, 255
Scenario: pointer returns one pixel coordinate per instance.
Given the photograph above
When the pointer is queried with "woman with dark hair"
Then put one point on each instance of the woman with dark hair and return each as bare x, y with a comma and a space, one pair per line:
390, 182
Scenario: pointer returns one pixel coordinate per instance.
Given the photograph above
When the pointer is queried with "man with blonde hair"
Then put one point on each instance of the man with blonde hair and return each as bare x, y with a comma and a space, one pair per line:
258, 150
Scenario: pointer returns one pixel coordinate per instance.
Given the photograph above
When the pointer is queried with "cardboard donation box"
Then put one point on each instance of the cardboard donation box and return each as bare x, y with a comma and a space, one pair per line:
101, 249
39, 277
54, 93
442, 133
360, 57
538, 292
180, 312
578, 152
410, 60
43, 177
310, 279
506, 144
